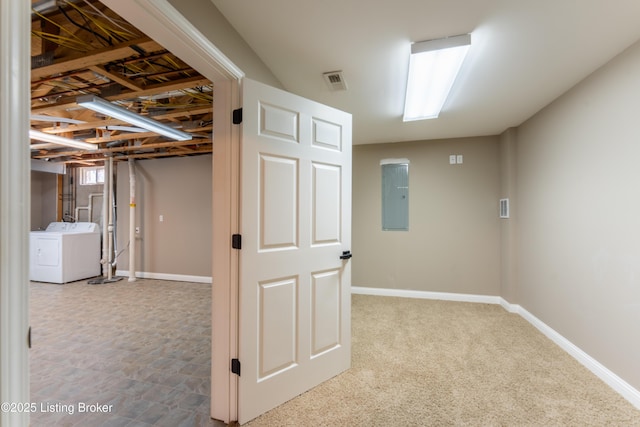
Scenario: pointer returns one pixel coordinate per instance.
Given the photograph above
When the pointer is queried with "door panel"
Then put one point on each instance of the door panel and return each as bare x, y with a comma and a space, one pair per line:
278, 202
278, 122
327, 135
327, 209
277, 320
294, 294
325, 311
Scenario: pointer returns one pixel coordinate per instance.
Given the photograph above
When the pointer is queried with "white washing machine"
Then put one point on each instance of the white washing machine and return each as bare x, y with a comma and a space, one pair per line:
65, 252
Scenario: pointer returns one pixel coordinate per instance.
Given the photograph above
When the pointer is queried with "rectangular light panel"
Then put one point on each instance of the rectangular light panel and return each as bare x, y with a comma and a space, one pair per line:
433, 67
107, 108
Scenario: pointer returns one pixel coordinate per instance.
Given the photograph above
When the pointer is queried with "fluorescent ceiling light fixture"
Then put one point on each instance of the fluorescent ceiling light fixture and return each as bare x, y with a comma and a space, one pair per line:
43, 118
123, 128
433, 67
107, 108
60, 140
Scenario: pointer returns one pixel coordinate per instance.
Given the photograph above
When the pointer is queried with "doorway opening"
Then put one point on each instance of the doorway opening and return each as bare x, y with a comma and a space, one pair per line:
153, 82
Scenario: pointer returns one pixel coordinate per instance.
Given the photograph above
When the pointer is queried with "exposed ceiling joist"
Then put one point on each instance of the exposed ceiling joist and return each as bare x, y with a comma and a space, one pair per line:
69, 102
125, 149
82, 61
128, 83
187, 112
81, 48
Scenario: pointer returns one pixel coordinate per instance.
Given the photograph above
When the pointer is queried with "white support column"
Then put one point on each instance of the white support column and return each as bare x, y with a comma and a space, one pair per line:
110, 256
15, 197
106, 208
132, 220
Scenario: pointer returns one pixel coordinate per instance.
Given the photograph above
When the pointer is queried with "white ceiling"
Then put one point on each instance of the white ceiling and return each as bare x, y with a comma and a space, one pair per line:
524, 54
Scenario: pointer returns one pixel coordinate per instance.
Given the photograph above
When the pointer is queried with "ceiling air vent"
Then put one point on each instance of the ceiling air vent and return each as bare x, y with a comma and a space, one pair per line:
335, 80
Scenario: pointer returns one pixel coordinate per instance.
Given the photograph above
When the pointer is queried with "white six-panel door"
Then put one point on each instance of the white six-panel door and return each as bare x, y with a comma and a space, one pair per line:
294, 296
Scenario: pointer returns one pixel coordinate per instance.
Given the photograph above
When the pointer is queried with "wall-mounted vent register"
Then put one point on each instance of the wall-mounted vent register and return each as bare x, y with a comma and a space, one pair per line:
504, 208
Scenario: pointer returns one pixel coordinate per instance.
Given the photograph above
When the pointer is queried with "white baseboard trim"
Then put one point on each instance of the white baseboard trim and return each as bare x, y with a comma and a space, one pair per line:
511, 308
611, 379
403, 293
165, 276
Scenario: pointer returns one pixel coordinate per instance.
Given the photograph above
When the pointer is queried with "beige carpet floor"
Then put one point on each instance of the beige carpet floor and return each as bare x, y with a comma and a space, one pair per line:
439, 363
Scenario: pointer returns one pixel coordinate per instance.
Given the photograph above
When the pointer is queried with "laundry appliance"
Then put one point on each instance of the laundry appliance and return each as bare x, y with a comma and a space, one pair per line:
65, 252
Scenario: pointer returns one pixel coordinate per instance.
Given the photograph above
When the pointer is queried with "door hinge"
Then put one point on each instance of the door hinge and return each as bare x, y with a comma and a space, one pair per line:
237, 116
235, 366
29, 337
236, 241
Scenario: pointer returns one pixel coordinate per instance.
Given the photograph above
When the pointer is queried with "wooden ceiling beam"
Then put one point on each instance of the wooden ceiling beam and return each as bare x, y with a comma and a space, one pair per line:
99, 68
122, 137
184, 112
51, 28
115, 77
152, 155
81, 86
82, 126
152, 71
152, 146
41, 90
156, 89
69, 102
200, 129
114, 122
137, 135
99, 56
160, 154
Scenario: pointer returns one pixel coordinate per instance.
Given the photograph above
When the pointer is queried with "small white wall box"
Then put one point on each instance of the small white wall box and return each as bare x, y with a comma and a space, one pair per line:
504, 208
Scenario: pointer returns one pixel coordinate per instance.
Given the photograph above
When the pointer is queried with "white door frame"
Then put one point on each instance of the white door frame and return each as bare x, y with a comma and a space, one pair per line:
15, 202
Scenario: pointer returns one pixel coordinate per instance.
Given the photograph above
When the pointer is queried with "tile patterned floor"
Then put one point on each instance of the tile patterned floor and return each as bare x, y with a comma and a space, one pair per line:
142, 350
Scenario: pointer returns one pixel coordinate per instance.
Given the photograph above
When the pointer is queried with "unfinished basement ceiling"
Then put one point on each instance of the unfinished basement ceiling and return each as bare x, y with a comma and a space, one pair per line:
81, 47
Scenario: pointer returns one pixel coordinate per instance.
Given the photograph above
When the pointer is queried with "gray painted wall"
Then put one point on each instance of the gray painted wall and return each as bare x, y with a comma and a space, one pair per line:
453, 242
212, 24
569, 254
578, 178
43, 199
179, 189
